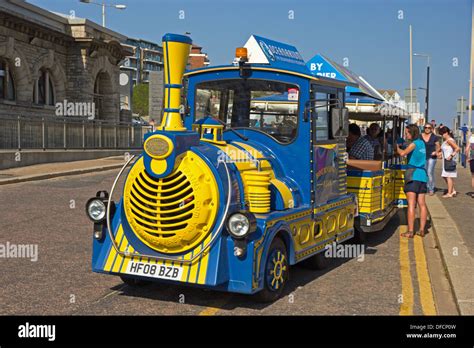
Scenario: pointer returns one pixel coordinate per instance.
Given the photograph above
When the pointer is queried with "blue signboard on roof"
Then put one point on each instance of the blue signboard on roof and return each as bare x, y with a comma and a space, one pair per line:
274, 53
277, 51
320, 65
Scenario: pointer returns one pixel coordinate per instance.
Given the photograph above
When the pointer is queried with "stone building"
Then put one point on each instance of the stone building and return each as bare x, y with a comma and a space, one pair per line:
48, 60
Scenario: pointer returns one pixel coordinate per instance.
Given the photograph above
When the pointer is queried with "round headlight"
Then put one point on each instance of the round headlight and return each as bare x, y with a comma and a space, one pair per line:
96, 210
158, 146
241, 224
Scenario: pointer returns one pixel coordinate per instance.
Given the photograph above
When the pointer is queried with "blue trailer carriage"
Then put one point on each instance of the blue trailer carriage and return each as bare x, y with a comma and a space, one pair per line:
232, 192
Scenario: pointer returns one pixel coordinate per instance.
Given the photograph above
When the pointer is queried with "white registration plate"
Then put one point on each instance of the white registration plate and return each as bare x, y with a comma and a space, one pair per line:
154, 270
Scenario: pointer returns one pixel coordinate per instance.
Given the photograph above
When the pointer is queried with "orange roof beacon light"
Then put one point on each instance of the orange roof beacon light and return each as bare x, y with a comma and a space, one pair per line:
241, 54
241, 59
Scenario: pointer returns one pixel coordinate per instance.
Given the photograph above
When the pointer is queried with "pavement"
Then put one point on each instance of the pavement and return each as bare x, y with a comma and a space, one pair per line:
452, 220
53, 170
396, 276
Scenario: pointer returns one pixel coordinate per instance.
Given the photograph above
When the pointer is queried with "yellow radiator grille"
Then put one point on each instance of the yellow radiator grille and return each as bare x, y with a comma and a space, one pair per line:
175, 213
162, 206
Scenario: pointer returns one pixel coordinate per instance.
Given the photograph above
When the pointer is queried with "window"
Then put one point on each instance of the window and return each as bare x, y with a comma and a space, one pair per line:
322, 120
268, 106
44, 89
98, 96
103, 94
7, 86
325, 99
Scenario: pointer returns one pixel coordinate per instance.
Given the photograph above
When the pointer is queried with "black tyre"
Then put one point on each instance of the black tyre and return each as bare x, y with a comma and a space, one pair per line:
276, 274
317, 262
360, 237
134, 282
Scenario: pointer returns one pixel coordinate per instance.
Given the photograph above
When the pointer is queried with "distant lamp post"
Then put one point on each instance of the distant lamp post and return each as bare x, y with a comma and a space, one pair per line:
104, 5
427, 100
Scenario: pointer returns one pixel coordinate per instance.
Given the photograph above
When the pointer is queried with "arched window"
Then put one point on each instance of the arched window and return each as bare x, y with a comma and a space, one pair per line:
43, 90
98, 98
104, 106
7, 84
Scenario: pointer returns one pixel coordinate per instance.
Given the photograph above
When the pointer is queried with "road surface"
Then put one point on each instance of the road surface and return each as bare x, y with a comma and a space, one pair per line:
392, 279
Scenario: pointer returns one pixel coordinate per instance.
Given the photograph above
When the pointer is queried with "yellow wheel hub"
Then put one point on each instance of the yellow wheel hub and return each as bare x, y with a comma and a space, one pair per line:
172, 214
279, 268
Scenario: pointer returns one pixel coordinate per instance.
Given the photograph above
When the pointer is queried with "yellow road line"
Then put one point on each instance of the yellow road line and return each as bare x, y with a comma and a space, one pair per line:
406, 307
424, 283
209, 311
216, 307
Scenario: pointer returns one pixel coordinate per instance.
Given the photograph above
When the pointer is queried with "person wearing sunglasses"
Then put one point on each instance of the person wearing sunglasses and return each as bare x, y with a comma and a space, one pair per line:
433, 148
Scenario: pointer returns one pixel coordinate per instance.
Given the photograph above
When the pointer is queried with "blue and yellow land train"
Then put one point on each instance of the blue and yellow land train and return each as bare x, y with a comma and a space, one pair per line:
232, 190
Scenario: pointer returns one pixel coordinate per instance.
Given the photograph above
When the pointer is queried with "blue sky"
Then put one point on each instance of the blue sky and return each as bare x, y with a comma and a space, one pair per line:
367, 32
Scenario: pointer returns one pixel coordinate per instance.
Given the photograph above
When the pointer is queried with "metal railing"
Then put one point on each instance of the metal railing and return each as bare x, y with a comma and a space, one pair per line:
19, 132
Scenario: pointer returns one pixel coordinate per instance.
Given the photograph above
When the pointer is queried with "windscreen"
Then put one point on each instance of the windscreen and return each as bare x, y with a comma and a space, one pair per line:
268, 106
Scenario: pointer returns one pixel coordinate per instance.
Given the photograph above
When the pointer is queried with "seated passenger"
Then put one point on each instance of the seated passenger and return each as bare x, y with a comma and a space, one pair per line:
360, 148
374, 139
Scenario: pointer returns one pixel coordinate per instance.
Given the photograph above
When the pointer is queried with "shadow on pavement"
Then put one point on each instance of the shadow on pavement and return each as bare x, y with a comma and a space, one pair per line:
300, 276
380, 237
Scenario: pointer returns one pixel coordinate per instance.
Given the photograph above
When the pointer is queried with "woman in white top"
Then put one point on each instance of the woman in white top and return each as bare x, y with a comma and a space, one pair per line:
449, 149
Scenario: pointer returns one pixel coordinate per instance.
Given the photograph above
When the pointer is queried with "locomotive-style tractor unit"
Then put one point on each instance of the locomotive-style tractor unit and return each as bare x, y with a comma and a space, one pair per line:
231, 190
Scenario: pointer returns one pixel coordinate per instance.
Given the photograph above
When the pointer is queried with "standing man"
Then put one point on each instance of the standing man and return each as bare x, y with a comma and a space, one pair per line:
470, 159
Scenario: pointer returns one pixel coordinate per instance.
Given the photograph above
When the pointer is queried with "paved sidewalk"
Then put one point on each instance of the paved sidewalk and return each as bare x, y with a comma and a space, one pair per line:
461, 207
453, 226
52, 170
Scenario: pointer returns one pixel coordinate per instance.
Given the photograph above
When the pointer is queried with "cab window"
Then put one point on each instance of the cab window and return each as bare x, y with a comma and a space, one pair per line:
268, 106
325, 99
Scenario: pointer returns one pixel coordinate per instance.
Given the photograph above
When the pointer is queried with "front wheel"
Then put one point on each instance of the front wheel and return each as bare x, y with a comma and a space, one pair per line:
277, 271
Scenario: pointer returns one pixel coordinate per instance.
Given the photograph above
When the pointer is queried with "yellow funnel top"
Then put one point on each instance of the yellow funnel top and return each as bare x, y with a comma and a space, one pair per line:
175, 51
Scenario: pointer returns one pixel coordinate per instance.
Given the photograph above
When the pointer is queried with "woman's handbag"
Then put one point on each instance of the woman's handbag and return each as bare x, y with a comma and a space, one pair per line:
409, 172
449, 165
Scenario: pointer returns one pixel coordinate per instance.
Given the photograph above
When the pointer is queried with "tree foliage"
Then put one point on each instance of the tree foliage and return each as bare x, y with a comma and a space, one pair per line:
140, 99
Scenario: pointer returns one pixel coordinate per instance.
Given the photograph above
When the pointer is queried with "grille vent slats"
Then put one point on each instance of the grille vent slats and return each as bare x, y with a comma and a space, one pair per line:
172, 214
162, 207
